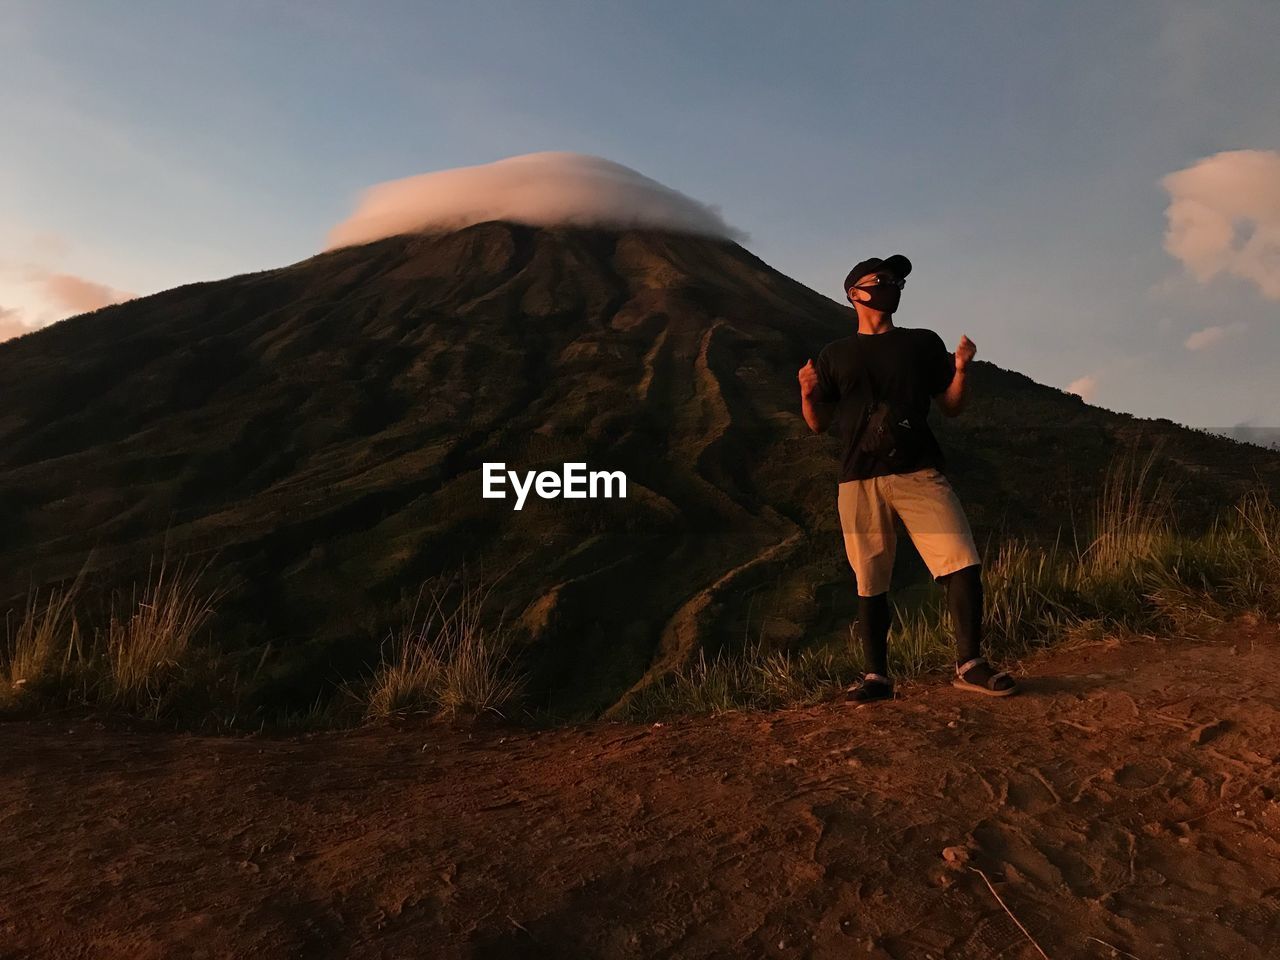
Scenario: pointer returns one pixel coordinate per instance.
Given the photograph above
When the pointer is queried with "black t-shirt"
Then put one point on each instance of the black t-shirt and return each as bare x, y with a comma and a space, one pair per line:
903, 366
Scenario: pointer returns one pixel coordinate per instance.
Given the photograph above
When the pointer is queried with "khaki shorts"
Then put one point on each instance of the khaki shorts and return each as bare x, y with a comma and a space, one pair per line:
930, 511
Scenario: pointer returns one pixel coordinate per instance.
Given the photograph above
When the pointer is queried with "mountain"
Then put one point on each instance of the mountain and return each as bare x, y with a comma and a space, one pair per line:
1268, 437
319, 431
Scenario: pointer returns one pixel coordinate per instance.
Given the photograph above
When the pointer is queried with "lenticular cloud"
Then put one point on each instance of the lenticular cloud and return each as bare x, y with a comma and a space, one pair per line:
542, 189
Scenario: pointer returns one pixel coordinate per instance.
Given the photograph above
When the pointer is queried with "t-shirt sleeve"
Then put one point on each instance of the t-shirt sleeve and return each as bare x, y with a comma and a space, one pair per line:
828, 386
941, 364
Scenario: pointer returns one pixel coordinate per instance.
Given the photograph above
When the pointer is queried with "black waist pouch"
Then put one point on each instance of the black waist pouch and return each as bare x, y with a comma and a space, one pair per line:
889, 435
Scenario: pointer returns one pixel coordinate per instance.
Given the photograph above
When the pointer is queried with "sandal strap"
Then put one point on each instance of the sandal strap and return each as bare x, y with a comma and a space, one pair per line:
968, 665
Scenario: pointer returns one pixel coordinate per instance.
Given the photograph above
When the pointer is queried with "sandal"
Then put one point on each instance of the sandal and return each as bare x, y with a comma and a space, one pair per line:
873, 686
983, 680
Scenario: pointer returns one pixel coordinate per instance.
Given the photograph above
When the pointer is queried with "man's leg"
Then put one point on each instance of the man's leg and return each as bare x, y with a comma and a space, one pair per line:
866, 519
964, 601
938, 527
873, 631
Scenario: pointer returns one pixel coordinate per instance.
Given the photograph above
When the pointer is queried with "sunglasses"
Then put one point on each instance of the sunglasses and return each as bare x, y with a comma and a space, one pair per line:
881, 280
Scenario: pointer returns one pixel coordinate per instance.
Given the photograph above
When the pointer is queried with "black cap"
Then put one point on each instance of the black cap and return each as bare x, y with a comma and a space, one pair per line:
897, 264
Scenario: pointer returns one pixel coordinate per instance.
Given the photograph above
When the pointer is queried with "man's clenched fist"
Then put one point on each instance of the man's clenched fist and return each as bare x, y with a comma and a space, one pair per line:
964, 352
808, 380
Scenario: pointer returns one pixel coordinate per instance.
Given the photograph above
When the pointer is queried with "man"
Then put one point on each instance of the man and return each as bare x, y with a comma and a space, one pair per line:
875, 386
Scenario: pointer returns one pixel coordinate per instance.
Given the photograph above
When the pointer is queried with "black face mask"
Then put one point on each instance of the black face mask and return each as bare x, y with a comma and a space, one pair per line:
882, 298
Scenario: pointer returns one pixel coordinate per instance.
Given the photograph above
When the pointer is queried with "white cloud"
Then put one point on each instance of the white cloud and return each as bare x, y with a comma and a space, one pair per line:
1204, 338
11, 324
1084, 387
1209, 336
71, 294
536, 188
1224, 218
39, 296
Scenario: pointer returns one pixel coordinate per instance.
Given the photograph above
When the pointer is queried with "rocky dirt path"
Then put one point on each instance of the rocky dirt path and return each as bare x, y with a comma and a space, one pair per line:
1128, 800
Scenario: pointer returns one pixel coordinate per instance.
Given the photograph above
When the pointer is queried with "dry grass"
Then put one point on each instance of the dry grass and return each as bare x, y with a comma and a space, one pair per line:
145, 653
446, 663
1135, 574
751, 678
43, 649
1132, 518
40, 646
138, 664
1258, 517
408, 678
145, 661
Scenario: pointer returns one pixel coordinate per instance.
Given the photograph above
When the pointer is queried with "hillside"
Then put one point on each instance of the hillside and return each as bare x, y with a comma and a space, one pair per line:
319, 429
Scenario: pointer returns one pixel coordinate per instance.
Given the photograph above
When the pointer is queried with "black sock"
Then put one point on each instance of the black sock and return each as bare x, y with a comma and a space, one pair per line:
964, 601
873, 631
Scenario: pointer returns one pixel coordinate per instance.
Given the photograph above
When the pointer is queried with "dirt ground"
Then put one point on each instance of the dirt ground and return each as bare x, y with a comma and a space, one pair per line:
1125, 804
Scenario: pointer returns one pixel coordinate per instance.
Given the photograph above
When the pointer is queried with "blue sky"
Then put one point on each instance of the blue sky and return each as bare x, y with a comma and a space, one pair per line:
1014, 151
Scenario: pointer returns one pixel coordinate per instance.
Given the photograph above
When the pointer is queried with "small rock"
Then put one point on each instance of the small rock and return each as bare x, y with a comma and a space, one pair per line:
956, 855
1207, 732
791, 762
953, 724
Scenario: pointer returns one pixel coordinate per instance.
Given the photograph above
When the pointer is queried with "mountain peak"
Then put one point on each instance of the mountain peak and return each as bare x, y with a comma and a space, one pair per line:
553, 188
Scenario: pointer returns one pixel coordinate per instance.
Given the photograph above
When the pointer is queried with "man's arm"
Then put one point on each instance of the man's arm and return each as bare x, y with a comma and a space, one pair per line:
951, 401
817, 414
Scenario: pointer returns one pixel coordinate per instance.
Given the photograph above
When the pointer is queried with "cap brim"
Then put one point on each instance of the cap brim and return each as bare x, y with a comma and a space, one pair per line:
899, 264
